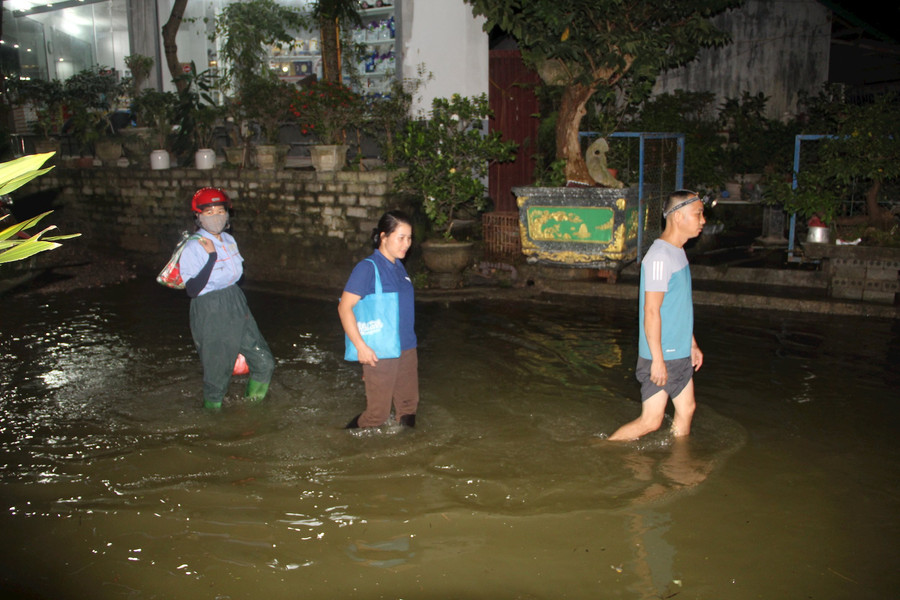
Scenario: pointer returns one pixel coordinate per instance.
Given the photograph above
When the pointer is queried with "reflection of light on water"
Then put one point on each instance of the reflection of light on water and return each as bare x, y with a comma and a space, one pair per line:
57, 378
807, 394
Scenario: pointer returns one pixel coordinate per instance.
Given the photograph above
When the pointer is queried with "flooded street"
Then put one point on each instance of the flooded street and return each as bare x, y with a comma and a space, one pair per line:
115, 484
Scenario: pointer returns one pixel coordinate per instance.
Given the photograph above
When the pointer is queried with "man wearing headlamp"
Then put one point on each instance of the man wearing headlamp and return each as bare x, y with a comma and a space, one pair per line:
668, 354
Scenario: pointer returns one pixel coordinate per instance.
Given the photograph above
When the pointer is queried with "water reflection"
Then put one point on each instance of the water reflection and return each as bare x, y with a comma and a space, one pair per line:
120, 483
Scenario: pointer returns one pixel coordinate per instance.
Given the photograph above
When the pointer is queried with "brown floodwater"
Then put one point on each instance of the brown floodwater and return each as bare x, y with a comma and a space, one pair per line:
115, 484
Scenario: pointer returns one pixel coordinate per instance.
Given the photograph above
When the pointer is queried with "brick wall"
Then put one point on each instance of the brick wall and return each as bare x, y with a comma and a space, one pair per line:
866, 273
291, 225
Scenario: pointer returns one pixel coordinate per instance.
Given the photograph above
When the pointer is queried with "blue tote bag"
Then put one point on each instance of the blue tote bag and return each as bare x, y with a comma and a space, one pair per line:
378, 319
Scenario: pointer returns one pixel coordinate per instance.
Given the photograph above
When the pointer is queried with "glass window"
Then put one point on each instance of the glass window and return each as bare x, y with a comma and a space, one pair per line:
54, 40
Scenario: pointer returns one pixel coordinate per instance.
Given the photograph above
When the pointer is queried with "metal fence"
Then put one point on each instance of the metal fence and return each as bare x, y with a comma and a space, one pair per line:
652, 161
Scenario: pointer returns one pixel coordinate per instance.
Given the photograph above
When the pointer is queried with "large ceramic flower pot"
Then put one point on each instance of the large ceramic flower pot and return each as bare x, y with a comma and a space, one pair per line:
234, 155
205, 159
447, 260
271, 156
328, 158
109, 152
160, 159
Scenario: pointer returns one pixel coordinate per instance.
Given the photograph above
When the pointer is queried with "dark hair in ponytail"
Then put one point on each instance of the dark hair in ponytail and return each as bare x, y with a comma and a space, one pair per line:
387, 224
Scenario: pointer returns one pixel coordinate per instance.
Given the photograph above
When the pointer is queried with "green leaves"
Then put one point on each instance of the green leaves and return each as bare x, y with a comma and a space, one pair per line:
617, 46
19, 249
16, 173
245, 27
13, 175
448, 156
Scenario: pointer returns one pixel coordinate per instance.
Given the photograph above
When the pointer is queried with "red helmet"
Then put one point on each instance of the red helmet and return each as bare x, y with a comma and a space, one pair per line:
209, 196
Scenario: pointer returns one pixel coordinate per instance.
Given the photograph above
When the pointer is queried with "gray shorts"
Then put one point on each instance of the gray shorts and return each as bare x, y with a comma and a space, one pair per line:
680, 371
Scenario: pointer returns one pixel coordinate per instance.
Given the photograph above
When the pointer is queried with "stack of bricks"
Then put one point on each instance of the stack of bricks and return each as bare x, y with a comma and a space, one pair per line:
864, 273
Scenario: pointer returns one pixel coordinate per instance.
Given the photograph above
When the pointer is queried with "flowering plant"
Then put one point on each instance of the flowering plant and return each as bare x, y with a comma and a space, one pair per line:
448, 157
326, 109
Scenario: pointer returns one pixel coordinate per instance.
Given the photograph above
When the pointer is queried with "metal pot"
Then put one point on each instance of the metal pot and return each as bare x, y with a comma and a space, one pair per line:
818, 235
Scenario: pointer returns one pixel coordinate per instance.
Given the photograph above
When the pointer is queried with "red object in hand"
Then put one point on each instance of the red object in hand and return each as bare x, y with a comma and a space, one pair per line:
240, 366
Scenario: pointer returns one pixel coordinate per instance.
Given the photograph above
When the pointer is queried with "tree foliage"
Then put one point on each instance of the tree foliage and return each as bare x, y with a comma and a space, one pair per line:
245, 28
861, 151
14, 244
448, 157
602, 46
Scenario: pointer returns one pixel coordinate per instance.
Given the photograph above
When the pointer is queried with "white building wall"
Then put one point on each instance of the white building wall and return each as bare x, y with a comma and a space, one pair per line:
779, 47
448, 40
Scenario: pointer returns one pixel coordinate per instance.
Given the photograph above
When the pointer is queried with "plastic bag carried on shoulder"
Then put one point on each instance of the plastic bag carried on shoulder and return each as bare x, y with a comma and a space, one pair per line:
170, 276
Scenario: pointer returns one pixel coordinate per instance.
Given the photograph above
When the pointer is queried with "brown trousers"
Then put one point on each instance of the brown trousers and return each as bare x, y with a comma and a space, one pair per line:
391, 380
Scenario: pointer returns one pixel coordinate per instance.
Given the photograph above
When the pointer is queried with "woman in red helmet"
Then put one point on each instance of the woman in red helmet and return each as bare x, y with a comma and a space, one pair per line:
221, 323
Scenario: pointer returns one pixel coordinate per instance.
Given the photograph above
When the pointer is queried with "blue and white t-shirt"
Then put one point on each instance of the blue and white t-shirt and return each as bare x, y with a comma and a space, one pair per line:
393, 279
665, 269
229, 263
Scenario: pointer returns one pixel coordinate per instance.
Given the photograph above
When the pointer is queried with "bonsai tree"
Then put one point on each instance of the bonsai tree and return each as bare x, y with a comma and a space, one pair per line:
817, 194
598, 48
90, 95
448, 157
860, 151
865, 151
140, 67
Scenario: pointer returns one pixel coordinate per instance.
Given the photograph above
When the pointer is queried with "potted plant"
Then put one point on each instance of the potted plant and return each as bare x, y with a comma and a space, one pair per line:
853, 153
47, 99
864, 152
238, 151
326, 110
140, 67
156, 110
206, 118
447, 158
90, 96
197, 116
267, 100
816, 197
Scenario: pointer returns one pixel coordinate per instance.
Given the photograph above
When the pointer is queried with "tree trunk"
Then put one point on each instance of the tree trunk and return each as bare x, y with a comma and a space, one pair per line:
875, 216
169, 31
568, 146
875, 212
329, 32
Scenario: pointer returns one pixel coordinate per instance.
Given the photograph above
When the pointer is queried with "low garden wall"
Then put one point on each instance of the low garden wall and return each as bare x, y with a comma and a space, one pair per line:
865, 273
291, 225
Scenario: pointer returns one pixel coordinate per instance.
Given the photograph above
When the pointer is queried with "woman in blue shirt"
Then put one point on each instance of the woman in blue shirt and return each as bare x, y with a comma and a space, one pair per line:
387, 380
221, 323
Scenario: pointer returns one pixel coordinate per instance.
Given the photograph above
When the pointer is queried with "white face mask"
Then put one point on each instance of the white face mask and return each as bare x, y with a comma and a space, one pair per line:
215, 224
